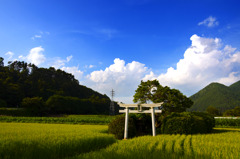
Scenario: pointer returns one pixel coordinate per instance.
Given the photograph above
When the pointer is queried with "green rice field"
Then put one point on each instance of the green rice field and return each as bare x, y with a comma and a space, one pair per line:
44, 141
50, 141
225, 144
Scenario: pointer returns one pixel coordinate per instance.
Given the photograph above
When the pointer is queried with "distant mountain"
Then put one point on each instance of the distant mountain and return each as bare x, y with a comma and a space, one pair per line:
217, 95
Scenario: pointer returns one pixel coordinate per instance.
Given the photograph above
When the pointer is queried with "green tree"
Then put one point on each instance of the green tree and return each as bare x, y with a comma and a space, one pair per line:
1, 62
232, 112
212, 110
35, 105
145, 91
174, 100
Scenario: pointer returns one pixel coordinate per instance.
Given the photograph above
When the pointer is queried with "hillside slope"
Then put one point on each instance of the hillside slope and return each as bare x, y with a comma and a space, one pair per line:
217, 95
20, 80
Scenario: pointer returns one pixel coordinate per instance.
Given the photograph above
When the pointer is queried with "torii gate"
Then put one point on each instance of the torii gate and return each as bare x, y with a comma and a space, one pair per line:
139, 110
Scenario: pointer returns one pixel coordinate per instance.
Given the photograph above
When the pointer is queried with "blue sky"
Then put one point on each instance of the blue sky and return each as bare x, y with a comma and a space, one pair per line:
185, 44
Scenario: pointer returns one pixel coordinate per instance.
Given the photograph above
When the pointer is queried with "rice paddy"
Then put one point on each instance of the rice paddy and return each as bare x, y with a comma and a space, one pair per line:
28, 140
221, 145
35, 141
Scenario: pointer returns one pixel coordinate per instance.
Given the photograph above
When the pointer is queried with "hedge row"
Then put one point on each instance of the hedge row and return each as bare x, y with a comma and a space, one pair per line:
188, 123
227, 122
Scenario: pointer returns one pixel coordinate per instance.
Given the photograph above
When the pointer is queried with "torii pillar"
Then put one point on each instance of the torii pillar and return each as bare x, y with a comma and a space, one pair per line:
139, 106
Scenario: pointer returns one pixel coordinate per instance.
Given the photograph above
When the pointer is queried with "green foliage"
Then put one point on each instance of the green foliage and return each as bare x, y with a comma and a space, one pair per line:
1, 62
232, 112
213, 111
143, 124
187, 123
145, 91
20, 80
227, 122
73, 105
208, 119
116, 127
36, 105
218, 96
174, 100
3, 103
38, 141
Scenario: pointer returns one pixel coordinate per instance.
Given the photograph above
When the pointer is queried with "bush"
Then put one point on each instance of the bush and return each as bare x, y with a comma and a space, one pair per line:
36, 106
143, 123
208, 119
187, 123
116, 127
228, 123
3, 103
213, 111
70, 105
232, 112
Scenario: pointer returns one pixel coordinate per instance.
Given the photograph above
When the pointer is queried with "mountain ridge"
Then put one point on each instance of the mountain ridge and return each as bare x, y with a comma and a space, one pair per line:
217, 95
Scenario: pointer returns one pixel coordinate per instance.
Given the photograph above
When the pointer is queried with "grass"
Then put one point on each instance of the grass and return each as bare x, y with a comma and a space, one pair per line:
25, 140
221, 145
70, 119
37, 140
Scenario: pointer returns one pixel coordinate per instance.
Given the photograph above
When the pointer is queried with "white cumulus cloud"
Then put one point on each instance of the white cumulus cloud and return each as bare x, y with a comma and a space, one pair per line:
205, 61
209, 22
123, 78
35, 56
74, 71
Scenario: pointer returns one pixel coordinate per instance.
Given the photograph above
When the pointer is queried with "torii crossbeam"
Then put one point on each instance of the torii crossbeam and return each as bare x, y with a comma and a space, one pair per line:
139, 110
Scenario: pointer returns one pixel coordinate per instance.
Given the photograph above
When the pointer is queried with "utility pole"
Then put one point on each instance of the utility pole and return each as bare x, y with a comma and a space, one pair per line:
112, 108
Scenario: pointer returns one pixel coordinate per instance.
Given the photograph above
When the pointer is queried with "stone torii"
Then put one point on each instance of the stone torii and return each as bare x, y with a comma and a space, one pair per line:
139, 110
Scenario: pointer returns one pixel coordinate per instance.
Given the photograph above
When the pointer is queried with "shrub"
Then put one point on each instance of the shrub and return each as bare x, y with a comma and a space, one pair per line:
143, 123
186, 123
228, 123
208, 119
36, 106
212, 110
69, 105
116, 127
232, 112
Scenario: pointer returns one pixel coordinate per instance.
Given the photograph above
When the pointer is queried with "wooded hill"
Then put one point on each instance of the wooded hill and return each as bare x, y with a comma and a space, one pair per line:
20, 80
218, 96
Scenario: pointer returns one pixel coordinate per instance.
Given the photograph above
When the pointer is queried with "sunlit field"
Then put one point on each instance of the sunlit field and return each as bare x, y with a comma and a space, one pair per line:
34, 140
222, 144
28, 140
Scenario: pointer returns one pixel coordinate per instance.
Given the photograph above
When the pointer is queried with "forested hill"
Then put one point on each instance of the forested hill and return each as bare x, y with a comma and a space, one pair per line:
217, 95
19, 80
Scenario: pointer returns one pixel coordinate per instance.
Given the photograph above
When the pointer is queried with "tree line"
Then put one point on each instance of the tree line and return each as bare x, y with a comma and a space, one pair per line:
54, 89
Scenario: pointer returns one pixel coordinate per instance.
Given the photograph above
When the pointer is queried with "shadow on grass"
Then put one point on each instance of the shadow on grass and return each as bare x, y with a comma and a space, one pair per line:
103, 154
